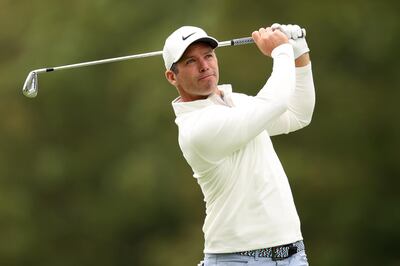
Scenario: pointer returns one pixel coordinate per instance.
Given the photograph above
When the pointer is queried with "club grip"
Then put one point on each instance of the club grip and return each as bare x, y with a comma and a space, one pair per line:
242, 41
248, 40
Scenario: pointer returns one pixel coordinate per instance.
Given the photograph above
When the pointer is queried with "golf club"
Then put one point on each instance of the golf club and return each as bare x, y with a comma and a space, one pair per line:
30, 88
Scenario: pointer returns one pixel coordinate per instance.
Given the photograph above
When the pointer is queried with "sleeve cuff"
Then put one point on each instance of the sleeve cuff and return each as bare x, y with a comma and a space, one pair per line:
285, 48
303, 69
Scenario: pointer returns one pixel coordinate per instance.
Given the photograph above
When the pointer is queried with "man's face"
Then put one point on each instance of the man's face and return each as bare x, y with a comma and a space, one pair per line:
197, 73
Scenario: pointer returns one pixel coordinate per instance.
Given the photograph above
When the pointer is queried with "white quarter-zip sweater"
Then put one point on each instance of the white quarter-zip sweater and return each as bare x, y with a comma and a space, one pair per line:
226, 141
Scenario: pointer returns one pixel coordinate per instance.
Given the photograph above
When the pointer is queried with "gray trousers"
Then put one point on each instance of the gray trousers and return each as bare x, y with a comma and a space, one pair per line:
298, 259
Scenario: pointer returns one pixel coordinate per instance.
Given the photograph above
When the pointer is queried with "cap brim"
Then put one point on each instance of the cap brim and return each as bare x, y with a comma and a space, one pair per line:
211, 41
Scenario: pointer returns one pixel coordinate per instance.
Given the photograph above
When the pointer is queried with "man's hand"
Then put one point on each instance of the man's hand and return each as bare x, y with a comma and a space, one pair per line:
296, 36
268, 39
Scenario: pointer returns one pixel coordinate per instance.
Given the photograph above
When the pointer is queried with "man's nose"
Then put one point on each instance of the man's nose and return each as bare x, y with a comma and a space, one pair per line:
203, 65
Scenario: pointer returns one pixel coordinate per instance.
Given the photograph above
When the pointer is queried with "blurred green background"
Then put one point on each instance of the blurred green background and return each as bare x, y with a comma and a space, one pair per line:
91, 172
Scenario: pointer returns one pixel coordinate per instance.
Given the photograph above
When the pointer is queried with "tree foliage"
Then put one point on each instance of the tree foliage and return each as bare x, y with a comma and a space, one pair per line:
91, 172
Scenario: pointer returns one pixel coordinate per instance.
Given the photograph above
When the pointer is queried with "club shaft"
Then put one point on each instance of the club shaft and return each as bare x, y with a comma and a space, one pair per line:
233, 42
105, 61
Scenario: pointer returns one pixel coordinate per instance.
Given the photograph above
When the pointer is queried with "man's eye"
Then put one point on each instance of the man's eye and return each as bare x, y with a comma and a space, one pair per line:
189, 61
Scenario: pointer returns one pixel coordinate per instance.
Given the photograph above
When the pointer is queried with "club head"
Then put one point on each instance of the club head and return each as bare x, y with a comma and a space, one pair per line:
30, 88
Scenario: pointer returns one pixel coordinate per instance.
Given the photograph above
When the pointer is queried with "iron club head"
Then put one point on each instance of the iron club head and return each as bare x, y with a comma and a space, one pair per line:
30, 88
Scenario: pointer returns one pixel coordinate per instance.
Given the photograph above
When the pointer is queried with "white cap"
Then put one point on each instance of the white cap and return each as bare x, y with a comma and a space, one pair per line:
177, 43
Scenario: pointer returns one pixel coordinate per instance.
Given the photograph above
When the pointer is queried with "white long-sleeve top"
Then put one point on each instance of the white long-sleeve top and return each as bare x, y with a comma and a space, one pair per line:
226, 141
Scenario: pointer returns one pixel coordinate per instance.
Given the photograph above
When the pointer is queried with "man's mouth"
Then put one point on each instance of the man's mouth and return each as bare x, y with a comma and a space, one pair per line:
206, 76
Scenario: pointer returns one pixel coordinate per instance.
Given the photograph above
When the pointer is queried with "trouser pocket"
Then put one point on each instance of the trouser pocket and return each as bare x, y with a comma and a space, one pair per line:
225, 260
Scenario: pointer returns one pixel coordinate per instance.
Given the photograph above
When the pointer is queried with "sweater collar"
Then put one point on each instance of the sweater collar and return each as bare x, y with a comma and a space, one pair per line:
213, 99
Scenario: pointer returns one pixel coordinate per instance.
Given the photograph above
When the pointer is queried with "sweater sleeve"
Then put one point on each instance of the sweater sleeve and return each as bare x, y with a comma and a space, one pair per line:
220, 130
300, 105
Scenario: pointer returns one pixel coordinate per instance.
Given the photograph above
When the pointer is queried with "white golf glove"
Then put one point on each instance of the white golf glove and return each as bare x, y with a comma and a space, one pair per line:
297, 38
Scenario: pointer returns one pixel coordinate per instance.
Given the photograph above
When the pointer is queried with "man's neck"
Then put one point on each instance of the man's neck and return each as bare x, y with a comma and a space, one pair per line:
185, 98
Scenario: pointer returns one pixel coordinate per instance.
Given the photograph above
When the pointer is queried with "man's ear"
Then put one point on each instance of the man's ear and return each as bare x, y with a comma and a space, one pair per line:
171, 77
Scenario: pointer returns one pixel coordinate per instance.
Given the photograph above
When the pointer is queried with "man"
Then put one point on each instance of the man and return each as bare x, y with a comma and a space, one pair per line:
225, 137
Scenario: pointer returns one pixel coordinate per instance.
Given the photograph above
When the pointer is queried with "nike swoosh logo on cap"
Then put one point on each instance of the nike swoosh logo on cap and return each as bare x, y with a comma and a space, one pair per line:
184, 38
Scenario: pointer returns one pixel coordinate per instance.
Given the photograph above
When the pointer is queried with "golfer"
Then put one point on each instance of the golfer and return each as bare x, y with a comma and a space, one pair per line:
251, 218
